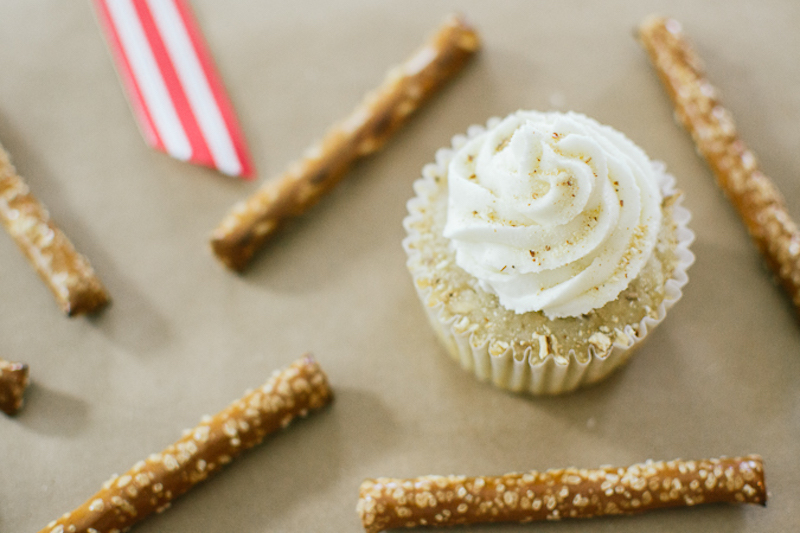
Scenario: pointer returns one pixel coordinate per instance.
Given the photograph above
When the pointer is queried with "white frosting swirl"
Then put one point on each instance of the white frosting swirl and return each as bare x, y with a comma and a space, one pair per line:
552, 212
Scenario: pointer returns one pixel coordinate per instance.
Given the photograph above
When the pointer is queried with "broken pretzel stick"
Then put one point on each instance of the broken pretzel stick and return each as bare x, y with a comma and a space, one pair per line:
68, 274
368, 127
387, 503
152, 484
754, 195
13, 381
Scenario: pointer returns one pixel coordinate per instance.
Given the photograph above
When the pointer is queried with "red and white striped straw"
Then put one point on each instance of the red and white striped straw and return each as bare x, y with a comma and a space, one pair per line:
175, 91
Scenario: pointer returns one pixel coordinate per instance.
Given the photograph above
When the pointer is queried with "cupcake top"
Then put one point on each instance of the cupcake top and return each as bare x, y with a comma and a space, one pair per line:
552, 212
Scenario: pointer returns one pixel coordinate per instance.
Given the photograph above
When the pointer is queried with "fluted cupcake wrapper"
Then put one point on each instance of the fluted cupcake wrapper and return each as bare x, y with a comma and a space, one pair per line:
523, 372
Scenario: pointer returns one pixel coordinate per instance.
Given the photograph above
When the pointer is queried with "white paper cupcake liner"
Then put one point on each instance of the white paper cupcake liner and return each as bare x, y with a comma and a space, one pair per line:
519, 372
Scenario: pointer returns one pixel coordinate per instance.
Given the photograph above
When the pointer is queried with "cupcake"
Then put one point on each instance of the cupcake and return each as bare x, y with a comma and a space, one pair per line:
544, 248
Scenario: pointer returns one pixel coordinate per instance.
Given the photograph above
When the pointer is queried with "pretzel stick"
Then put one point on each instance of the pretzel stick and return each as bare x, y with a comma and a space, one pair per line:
13, 381
754, 195
66, 273
388, 503
152, 484
368, 127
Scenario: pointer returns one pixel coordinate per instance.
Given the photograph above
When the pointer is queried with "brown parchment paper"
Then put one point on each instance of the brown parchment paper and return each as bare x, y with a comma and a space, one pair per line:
184, 337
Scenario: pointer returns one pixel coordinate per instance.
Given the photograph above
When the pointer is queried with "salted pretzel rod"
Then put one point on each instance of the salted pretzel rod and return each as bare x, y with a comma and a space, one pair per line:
13, 381
251, 222
152, 484
754, 195
69, 276
388, 503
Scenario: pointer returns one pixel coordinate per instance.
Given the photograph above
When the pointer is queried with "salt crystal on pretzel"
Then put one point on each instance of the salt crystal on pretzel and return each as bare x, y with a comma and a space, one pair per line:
13, 381
368, 127
387, 503
152, 484
68, 274
754, 195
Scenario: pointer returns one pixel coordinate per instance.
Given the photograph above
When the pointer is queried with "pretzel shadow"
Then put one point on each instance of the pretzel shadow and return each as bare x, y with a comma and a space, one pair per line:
292, 469
50, 412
